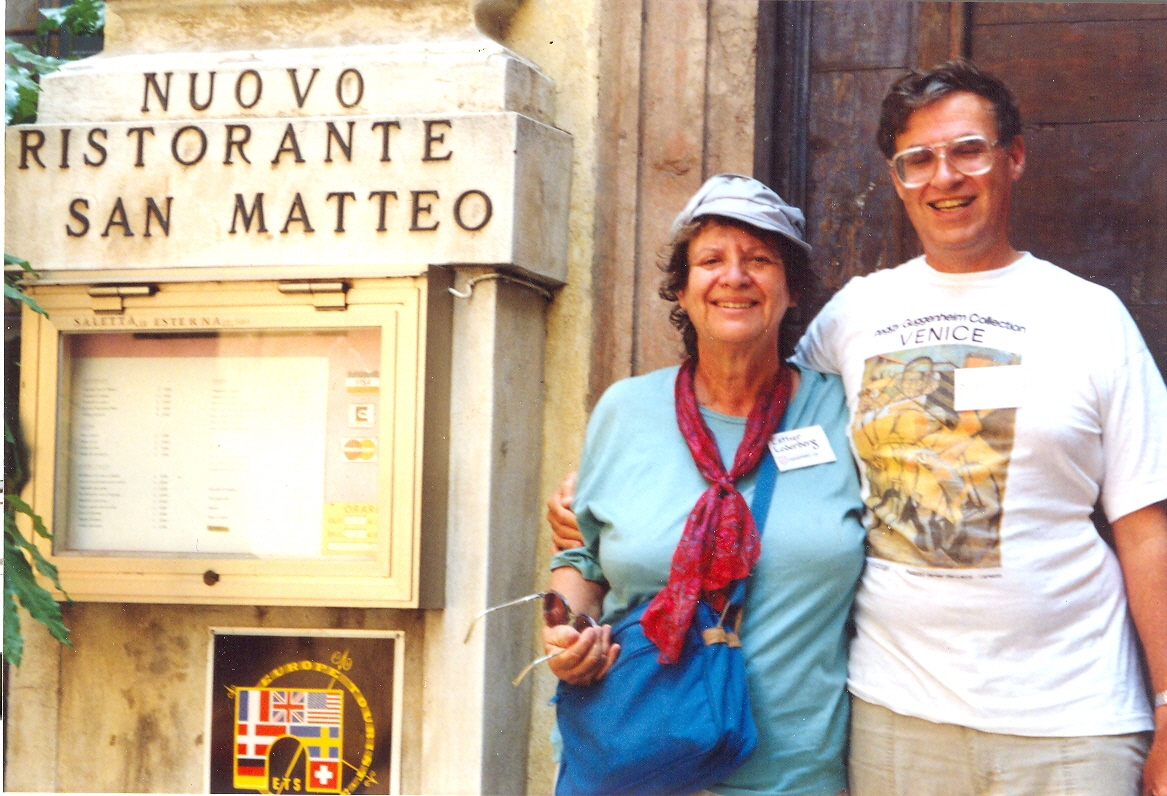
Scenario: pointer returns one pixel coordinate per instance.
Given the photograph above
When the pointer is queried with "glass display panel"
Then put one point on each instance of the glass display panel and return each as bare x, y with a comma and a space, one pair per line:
220, 443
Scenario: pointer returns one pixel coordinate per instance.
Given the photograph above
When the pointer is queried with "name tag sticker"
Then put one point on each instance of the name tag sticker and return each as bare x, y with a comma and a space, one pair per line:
995, 387
801, 447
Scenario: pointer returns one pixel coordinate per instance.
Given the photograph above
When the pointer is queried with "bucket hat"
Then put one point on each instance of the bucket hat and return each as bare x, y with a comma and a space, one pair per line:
744, 199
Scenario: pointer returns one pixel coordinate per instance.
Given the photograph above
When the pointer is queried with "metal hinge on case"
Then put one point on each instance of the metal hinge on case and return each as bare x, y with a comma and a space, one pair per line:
325, 295
108, 299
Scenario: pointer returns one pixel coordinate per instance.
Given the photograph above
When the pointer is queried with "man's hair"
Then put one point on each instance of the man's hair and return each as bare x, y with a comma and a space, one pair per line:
800, 279
915, 90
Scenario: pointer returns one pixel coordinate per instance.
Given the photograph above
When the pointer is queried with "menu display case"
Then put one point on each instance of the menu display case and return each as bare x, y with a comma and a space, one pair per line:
259, 442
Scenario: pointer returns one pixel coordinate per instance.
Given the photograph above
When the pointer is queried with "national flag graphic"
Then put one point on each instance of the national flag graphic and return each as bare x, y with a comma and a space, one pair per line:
314, 717
324, 776
288, 707
324, 707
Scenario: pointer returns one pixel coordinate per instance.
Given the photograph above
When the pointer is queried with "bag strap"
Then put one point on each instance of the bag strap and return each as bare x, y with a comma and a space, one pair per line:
764, 490
760, 508
767, 476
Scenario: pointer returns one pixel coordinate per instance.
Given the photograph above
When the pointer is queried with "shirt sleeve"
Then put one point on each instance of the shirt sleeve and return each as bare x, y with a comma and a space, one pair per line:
818, 348
586, 559
1134, 426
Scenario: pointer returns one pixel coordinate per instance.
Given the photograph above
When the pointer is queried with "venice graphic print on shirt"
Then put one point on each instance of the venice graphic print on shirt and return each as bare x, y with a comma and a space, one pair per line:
936, 475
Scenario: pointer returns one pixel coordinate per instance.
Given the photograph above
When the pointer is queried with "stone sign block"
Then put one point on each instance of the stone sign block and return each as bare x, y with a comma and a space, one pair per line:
298, 197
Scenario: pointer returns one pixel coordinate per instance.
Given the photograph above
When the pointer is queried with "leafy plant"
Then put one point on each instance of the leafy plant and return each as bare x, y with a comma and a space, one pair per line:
79, 18
20, 554
23, 69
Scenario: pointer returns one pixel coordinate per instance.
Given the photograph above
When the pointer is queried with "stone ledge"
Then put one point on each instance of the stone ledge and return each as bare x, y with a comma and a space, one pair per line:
147, 26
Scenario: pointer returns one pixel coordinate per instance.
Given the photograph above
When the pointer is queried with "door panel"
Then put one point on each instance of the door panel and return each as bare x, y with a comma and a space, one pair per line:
1091, 81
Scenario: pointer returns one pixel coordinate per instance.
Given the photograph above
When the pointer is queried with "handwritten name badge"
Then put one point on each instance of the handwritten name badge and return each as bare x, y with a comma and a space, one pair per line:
802, 447
1000, 387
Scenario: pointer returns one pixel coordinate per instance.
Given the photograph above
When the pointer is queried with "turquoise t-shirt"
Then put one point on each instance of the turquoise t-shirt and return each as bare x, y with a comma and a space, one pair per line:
637, 484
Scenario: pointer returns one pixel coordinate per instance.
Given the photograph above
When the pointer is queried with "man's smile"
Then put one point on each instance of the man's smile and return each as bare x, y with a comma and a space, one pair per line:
947, 205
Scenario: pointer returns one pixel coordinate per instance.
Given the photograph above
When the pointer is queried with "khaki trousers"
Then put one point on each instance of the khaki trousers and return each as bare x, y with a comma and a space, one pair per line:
894, 755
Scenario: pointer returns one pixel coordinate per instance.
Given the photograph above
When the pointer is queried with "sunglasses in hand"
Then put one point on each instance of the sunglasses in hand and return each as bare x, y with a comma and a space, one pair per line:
556, 612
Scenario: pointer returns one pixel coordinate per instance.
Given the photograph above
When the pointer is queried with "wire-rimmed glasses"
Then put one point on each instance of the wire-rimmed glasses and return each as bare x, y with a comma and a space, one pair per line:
971, 155
556, 612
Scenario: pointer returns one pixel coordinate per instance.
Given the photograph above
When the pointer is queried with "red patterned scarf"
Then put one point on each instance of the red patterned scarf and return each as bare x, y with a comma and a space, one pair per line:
720, 543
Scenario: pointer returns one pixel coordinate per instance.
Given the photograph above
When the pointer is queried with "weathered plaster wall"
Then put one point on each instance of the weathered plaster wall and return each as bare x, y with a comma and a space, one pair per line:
564, 39
123, 711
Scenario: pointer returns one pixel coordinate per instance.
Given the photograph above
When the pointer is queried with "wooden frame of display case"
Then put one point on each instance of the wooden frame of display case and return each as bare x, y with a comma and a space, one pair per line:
237, 442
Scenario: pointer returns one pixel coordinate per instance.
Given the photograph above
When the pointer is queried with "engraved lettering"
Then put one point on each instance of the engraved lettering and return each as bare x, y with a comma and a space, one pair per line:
244, 135
194, 103
356, 81
242, 213
381, 197
65, 147
484, 210
153, 211
340, 196
27, 147
257, 88
432, 138
301, 97
345, 147
75, 208
139, 162
163, 95
288, 144
201, 147
298, 214
385, 138
92, 139
419, 208
118, 218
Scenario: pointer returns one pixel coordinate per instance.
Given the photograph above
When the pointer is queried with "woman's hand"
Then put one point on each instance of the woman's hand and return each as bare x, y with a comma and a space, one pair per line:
564, 529
581, 658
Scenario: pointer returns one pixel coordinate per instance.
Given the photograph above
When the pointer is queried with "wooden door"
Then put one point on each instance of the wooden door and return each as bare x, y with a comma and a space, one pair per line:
1091, 81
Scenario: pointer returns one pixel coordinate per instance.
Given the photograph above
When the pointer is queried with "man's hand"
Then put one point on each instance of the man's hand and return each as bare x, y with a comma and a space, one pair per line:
1155, 768
1140, 538
564, 529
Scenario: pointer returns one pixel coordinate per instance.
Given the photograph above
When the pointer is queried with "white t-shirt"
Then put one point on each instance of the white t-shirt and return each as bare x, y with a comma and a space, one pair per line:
988, 412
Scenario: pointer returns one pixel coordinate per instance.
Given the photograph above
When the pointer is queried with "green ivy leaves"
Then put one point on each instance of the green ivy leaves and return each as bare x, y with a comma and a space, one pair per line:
23, 69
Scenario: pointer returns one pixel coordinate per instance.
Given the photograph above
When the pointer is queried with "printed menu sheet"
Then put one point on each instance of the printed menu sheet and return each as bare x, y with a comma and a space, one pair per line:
215, 450
204, 456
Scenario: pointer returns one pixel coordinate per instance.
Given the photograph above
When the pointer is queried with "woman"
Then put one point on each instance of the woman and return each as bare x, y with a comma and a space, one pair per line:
738, 264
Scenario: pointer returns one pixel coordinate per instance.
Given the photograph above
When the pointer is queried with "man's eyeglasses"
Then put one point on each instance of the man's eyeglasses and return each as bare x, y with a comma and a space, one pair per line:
971, 155
555, 612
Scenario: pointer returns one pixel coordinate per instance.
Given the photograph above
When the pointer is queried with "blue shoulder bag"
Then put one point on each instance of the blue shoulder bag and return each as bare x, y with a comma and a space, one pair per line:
654, 728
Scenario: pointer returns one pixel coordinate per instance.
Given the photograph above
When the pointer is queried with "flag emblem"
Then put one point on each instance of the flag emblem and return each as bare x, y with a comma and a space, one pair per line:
314, 717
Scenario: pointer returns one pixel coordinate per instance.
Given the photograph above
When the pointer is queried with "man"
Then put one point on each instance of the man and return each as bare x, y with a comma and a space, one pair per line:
994, 399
